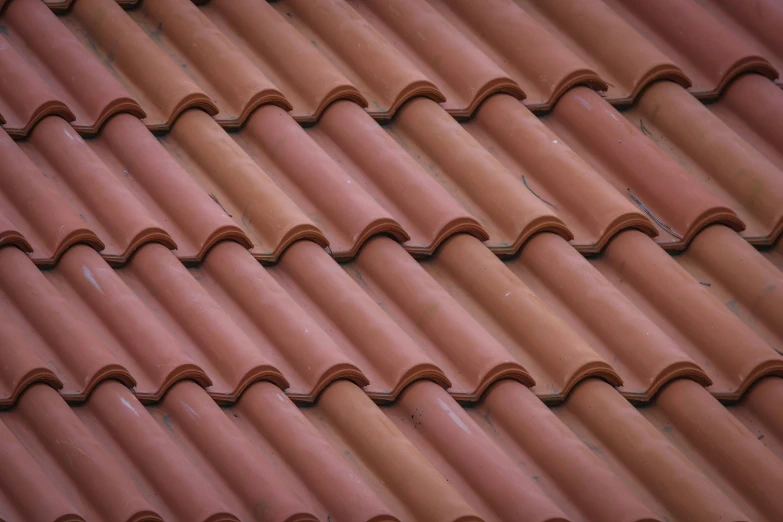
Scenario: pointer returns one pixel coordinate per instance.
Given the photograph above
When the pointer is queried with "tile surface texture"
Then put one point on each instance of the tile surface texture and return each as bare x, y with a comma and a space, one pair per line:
432, 260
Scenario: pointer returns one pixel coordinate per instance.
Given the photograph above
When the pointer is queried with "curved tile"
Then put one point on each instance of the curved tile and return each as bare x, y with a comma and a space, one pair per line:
731, 353
359, 326
338, 204
756, 23
237, 87
34, 215
539, 470
46, 448
508, 211
385, 78
625, 61
45, 338
563, 335
90, 93
238, 185
236, 306
535, 59
464, 74
309, 82
515, 318
774, 254
759, 411
654, 451
737, 275
468, 354
377, 163
709, 53
712, 153
162, 89
720, 446
678, 204
548, 168
25, 97
127, 188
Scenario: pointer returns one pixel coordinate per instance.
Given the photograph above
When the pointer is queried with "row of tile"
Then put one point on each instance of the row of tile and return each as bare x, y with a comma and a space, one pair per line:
162, 57
596, 457
669, 167
463, 318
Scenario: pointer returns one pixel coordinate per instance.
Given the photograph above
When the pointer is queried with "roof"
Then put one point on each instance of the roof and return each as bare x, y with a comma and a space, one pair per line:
414, 260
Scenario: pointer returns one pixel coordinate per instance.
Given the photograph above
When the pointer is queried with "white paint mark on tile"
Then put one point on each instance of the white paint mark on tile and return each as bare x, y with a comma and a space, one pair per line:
129, 406
445, 407
191, 411
88, 275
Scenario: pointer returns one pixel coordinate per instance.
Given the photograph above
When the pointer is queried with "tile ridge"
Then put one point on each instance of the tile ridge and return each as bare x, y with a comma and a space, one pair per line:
146, 236
259, 373
338, 372
270, 96
340, 93
585, 77
225, 233
34, 376
15, 239
182, 372
661, 72
458, 225
503, 85
511, 370
386, 226
679, 370
49, 108
420, 372
417, 89
117, 106
748, 64
545, 223
626, 221
196, 100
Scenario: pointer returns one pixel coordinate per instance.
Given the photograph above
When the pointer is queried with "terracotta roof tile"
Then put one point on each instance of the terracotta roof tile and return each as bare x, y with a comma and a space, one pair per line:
121, 186
677, 201
711, 54
162, 89
758, 411
209, 58
385, 77
71, 76
715, 155
460, 70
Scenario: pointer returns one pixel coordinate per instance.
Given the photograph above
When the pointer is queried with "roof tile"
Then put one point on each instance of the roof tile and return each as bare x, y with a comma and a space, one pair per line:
60, 62
759, 412
709, 53
308, 81
643, 173
715, 155
464, 74
209, 58
238, 185
384, 76
162, 89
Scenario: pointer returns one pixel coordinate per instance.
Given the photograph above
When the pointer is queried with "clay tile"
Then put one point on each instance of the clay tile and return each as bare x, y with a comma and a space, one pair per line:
162, 89
385, 77
88, 91
55, 469
709, 53
120, 323
459, 69
721, 447
34, 215
338, 204
775, 254
518, 322
25, 97
306, 78
469, 356
716, 156
642, 354
755, 23
561, 465
102, 199
615, 147
759, 412
375, 161
61, 6
238, 186
535, 59
381, 454
248, 476
625, 61
656, 468
460, 450
737, 275
45, 337
209, 58
730, 352
150, 457
560, 178
239, 308
356, 323
508, 211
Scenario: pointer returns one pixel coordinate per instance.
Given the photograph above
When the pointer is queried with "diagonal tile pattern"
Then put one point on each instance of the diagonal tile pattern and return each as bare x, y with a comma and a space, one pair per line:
416, 260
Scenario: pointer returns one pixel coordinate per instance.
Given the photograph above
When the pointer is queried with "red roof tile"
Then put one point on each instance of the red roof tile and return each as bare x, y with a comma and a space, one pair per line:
425, 339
